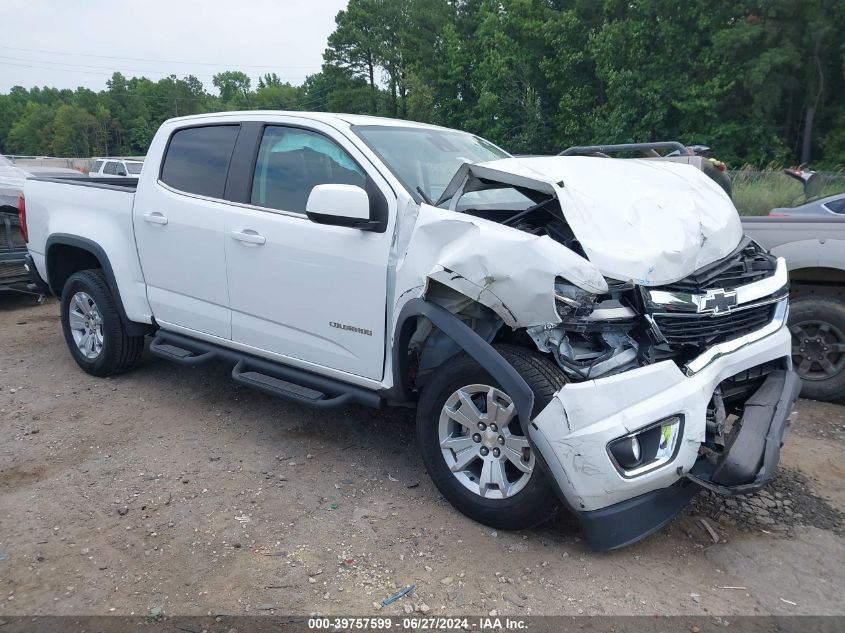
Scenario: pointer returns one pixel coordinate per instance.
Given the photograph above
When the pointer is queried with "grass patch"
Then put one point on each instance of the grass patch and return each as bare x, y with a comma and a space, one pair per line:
756, 192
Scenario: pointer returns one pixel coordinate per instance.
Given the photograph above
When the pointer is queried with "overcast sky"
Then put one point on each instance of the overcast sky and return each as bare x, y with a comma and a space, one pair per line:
65, 44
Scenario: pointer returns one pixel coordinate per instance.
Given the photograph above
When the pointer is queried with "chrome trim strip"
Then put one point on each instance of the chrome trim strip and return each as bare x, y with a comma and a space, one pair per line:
686, 302
230, 203
703, 360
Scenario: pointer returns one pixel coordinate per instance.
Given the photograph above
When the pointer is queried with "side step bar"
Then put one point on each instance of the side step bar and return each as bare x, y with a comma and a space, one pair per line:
287, 382
178, 354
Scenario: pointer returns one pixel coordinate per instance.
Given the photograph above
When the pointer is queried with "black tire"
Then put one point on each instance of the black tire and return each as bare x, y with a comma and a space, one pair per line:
817, 325
536, 502
119, 351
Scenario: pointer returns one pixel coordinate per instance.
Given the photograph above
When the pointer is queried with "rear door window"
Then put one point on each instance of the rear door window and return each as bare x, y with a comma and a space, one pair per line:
111, 168
197, 159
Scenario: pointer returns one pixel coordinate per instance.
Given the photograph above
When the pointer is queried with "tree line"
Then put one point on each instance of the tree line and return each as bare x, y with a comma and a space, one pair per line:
760, 81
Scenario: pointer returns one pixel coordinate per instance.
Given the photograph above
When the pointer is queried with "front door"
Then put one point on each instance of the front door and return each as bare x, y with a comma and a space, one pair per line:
302, 290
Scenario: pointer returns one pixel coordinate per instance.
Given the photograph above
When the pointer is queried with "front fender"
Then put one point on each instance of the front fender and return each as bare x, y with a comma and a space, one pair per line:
470, 342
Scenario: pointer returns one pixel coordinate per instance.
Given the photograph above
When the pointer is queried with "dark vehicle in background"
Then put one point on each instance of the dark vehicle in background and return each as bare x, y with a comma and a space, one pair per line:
829, 206
13, 252
832, 206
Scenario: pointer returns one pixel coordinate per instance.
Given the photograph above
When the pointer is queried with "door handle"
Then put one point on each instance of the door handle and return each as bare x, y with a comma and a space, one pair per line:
248, 236
155, 218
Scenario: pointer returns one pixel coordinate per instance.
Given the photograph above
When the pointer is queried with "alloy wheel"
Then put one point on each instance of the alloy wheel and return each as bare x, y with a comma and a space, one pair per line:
482, 442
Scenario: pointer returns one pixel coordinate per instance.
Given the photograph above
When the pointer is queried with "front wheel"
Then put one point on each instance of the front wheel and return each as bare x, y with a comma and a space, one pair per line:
473, 446
92, 326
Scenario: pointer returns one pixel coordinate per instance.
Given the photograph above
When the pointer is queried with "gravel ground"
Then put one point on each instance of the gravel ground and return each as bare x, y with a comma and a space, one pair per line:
173, 489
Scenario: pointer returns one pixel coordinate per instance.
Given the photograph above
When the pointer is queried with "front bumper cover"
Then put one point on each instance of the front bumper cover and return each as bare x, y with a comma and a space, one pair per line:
571, 435
747, 464
752, 453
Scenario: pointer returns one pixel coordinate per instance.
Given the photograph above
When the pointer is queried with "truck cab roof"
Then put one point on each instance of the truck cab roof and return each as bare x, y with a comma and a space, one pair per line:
331, 118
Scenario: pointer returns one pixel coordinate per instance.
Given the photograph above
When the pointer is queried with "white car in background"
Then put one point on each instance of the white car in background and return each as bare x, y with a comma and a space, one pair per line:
116, 168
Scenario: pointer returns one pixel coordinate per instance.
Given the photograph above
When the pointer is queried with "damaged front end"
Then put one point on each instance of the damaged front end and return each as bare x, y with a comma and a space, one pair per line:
668, 324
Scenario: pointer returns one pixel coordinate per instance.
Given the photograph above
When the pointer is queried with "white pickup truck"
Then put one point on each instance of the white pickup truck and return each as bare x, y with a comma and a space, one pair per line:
573, 331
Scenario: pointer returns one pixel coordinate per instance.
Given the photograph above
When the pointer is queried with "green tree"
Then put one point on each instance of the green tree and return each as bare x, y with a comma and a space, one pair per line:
234, 87
31, 134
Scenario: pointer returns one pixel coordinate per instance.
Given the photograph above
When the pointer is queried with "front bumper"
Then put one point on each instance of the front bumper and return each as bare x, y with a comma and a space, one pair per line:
572, 434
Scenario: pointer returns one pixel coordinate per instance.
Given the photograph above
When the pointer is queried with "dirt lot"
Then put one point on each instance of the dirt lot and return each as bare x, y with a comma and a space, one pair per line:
172, 488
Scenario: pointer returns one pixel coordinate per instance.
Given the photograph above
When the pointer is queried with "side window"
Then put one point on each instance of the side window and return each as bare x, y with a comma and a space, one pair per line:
111, 168
197, 159
292, 161
837, 206
98, 165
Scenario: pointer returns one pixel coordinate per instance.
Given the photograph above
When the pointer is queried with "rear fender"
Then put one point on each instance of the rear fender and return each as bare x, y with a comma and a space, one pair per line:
55, 278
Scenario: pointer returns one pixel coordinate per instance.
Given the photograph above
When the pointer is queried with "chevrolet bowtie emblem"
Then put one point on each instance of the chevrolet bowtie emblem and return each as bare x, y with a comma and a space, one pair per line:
717, 301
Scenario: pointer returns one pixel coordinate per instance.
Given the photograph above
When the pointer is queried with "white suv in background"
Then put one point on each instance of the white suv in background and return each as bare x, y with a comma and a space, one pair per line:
116, 168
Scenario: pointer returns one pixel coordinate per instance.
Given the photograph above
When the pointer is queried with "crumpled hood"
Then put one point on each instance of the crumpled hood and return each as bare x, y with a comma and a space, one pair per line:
651, 222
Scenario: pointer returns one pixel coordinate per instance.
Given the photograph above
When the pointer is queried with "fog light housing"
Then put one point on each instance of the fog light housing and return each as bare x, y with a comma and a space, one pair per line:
649, 448
627, 451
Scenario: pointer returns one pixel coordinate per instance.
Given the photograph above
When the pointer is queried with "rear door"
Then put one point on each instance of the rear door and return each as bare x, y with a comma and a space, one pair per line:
179, 219
301, 290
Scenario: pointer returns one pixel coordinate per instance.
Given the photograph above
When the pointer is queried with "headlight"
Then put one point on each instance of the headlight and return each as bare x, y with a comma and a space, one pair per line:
573, 301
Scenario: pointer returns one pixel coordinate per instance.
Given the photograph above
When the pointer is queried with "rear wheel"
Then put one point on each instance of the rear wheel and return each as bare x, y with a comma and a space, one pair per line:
92, 326
818, 346
473, 445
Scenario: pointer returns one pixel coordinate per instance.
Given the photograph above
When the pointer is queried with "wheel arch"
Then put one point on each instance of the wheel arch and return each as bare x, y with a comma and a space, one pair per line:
465, 338
821, 281
66, 254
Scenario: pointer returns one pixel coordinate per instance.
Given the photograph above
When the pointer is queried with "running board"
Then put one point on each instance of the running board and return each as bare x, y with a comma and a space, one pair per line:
287, 382
284, 389
179, 354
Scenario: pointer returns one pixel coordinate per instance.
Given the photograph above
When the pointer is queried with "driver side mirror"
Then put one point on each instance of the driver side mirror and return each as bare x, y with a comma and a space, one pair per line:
340, 205
121, 171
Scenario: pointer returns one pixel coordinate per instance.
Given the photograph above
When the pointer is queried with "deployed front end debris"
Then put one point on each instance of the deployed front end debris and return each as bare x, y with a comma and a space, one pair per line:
667, 324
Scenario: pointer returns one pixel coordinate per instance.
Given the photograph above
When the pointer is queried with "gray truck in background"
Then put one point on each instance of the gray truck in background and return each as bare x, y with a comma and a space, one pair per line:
814, 249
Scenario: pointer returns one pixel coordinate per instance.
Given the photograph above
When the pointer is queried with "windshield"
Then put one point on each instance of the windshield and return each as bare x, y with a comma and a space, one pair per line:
425, 159
134, 168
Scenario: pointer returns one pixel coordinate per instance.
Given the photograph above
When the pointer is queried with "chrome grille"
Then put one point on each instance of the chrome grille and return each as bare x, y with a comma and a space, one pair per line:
709, 329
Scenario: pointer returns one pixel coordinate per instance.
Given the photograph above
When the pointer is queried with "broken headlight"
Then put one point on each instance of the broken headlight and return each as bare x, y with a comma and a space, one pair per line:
572, 301
593, 337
